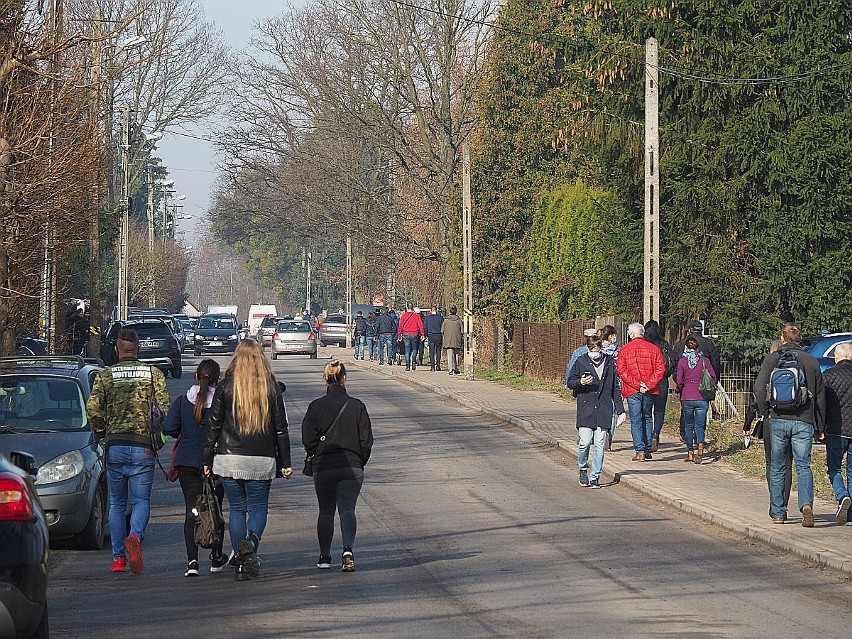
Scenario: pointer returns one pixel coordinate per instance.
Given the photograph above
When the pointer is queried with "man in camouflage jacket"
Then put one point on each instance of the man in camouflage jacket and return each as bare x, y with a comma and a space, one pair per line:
118, 409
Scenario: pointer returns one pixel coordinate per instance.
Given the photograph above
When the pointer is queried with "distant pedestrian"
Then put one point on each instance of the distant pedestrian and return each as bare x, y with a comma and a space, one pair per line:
398, 349
359, 334
582, 349
411, 332
751, 418
690, 370
654, 335
433, 322
337, 432
421, 344
452, 340
793, 427
838, 429
118, 409
696, 329
385, 326
247, 446
187, 421
371, 334
640, 366
593, 381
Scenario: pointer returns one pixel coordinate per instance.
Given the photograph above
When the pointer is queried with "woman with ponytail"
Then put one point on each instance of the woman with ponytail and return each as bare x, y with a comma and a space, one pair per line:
337, 435
187, 420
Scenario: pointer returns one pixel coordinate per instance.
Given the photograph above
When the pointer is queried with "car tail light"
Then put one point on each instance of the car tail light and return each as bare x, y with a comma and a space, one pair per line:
312, 336
15, 502
275, 336
173, 343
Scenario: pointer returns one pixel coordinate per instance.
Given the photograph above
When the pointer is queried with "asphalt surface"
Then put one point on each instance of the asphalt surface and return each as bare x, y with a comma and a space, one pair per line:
468, 527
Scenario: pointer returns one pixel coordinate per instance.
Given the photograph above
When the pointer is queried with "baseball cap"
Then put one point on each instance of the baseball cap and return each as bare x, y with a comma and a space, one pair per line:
696, 325
590, 332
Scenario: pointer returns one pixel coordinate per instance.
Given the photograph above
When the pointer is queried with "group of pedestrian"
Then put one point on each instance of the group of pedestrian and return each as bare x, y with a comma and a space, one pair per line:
383, 335
232, 432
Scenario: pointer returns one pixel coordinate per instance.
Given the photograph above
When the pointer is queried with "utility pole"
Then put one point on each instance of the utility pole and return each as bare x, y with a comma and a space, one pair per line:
95, 222
150, 184
651, 293
125, 215
348, 289
469, 343
308, 281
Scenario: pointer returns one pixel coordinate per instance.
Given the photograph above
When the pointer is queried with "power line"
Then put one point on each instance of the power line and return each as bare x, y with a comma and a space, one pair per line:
685, 75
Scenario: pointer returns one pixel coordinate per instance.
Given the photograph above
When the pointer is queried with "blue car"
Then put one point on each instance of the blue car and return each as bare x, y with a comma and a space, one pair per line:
822, 347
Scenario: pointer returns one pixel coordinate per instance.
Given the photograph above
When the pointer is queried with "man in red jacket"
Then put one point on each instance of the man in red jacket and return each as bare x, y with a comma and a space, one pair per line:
411, 332
641, 368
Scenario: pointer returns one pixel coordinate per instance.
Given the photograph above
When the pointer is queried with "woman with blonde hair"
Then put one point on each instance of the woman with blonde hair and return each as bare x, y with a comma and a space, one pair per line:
338, 438
247, 445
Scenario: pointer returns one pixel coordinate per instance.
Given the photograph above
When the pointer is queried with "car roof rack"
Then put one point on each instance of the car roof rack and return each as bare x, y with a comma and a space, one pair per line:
47, 360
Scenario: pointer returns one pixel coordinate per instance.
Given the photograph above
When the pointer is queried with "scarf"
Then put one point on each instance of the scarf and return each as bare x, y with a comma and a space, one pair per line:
691, 357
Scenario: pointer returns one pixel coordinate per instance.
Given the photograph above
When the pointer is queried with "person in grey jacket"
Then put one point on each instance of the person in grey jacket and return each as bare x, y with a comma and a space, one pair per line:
452, 340
794, 428
838, 429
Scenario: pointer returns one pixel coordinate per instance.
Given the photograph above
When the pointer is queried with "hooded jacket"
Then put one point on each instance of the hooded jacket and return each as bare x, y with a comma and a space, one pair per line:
838, 399
640, 361
180, 422
451, 331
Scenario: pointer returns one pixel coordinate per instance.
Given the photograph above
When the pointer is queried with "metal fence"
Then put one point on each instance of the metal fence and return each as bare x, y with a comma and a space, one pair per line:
737, 382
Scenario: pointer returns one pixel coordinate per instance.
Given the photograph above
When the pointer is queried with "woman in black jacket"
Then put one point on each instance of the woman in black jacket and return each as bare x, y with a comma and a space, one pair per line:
248, 444
592, 379
187, 420
337, 435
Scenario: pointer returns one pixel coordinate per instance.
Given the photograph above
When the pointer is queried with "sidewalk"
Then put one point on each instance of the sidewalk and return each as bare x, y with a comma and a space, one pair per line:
710, 491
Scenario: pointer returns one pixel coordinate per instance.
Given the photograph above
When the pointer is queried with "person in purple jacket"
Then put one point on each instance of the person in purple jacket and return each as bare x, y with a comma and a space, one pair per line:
690, 368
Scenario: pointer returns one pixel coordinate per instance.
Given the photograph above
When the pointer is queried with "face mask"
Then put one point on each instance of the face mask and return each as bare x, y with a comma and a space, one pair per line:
596, 356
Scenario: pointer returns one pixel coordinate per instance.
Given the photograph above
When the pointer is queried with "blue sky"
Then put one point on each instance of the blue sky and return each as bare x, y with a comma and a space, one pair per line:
192, 162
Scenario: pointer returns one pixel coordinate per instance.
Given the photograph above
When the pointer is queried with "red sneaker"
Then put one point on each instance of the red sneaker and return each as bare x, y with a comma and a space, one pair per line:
134, 554
119, 565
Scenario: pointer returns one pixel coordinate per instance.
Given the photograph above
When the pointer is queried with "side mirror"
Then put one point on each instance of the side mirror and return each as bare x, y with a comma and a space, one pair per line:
24, 461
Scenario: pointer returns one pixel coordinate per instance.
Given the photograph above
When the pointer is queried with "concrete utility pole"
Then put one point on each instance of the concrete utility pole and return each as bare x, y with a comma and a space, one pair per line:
348, 289
651, 293
125, 215
308, 281
469, 343
150, 181
95, 212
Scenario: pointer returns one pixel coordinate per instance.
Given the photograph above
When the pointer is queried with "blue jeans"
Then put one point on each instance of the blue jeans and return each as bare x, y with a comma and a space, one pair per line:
695, 417
371, 345
798, 435
385, 339
586, 436
129, 468
248, 505
360, 341
659, 405
835, 448
411, 343
641, 424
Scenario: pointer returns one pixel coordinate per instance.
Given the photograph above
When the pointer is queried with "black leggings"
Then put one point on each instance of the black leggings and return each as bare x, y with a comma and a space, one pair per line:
337, 488
192, 485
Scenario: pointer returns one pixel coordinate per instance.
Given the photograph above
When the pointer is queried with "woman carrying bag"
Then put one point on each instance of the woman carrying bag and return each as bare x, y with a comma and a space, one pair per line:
187, 420
338, 439
247, 446
690, 370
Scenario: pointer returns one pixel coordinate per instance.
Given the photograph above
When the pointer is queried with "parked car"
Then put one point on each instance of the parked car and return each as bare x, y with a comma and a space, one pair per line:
294, 337
23, 551
30, 346
822, 347
334, 330
216, 332
43, 412
174, 324
158, 345
189, 333
267, 328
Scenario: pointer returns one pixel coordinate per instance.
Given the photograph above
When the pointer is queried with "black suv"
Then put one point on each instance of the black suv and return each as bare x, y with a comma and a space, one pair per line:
158, 345
43, 413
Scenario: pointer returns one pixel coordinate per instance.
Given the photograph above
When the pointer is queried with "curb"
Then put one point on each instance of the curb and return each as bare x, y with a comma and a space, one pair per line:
822, 557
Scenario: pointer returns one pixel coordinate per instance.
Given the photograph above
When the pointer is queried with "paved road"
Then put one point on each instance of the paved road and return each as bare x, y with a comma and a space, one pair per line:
466, 528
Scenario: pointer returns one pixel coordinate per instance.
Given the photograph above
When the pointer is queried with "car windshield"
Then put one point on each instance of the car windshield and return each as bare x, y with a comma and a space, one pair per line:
335, 319
40, 402
186, 325
152, 331
216, 322
294, 327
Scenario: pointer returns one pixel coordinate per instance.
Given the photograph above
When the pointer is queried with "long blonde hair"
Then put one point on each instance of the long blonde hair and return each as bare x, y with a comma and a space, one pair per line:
252, 379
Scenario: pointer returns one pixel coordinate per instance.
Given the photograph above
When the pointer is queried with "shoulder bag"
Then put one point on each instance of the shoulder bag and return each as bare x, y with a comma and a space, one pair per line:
309, 459
156, 417
209, 522
706, 387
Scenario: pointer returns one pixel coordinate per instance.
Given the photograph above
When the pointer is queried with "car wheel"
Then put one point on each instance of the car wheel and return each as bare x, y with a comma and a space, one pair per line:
43, 630
177, 371
92, 536
314, 355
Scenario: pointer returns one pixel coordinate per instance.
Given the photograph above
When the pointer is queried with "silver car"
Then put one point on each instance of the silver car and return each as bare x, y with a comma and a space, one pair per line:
294, 337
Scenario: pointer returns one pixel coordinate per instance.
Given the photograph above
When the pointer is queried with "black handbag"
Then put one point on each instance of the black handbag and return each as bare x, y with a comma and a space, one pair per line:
209, 522
309, 459
707, 386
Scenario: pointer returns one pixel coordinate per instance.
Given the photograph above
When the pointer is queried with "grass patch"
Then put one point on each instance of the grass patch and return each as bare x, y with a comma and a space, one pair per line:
519, 382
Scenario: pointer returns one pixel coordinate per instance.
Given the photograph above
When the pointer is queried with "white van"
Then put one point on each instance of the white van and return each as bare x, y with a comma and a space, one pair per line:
256, 314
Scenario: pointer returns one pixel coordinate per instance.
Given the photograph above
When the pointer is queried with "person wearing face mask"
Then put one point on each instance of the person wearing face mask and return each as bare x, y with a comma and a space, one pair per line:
593, 381
690, 369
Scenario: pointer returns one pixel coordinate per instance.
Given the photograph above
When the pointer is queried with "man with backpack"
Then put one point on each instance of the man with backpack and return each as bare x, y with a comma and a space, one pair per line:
790, 392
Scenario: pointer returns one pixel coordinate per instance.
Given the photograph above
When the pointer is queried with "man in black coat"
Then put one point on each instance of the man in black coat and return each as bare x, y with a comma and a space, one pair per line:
793, 427
838, 429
